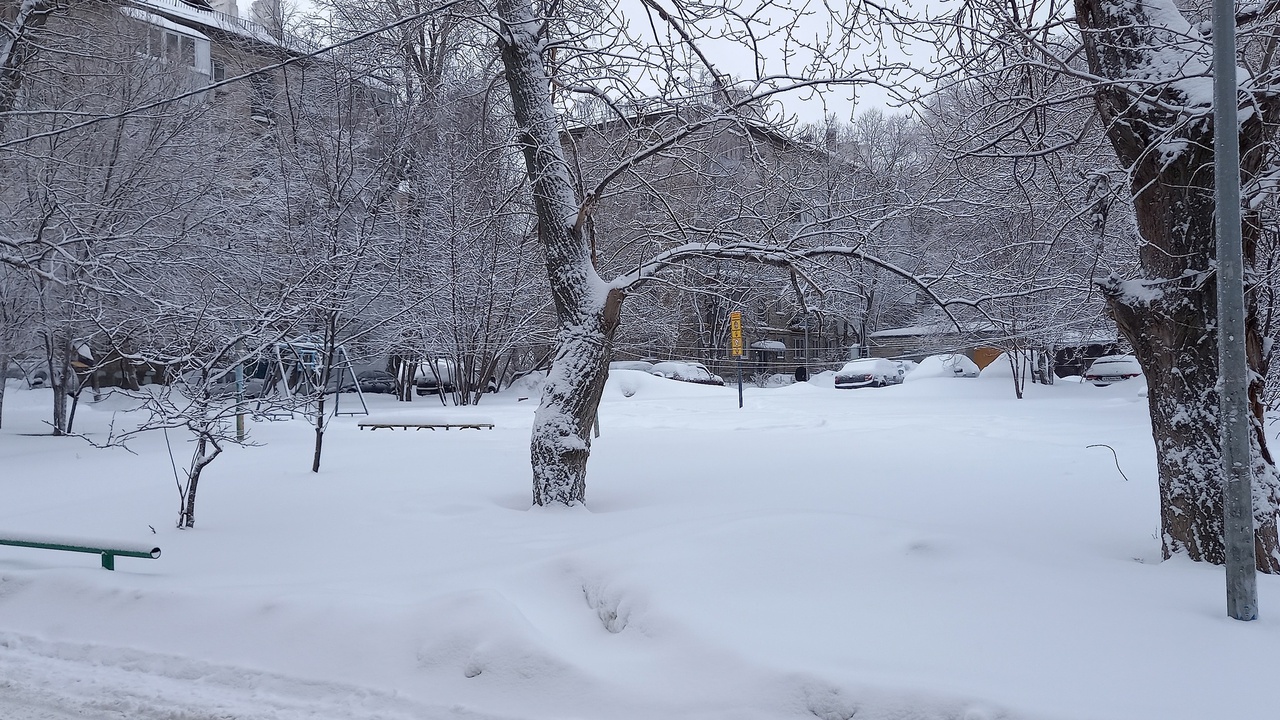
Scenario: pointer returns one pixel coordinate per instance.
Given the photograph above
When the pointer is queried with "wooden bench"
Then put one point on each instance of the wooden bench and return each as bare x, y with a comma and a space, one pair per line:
425, 425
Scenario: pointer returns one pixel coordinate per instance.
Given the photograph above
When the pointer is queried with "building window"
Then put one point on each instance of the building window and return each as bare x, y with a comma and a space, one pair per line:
157, 40
166, 45
218, 73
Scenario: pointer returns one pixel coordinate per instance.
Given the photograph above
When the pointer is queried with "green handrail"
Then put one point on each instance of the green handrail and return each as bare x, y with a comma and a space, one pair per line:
108, 554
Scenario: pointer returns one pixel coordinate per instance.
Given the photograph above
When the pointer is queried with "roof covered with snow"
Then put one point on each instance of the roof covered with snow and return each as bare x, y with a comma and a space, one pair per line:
187, 14
158, 21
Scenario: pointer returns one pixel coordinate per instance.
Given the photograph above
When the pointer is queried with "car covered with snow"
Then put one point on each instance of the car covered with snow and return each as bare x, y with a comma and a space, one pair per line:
434, 378
946, 365
371, 381
869, 372
1112, 369
637, 365
690, 372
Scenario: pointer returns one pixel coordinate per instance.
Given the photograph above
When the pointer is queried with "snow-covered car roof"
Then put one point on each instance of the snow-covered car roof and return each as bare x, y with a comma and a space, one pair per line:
864, 363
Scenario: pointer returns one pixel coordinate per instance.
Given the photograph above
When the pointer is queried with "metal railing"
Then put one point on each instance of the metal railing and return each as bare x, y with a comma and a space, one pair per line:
108, 552
234, 24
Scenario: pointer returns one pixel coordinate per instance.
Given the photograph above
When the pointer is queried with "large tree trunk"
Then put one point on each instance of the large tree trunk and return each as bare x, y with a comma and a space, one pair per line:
570, 399
4, 370
58, 361
1170, 312
17, 49
587, 310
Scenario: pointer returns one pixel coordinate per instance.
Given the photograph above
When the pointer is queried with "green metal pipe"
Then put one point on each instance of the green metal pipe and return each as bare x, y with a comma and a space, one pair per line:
108, 554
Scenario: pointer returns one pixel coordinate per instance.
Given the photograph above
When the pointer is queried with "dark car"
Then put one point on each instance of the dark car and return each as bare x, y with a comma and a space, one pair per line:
372, 381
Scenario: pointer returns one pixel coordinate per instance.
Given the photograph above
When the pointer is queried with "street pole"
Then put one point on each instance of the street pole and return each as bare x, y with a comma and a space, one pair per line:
1242, 581
240, 402
735, 347
739, 383
806, 342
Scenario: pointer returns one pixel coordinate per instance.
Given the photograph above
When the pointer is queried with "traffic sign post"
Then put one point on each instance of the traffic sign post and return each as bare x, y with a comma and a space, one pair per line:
735, 346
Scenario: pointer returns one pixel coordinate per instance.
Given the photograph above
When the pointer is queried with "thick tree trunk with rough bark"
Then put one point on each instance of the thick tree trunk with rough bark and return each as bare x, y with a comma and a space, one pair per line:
1170, 312
17, 48
58, 361
570, 398
4, 370
588, 311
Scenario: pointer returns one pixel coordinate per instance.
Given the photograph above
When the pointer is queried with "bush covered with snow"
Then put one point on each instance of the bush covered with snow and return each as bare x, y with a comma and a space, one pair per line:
529, 385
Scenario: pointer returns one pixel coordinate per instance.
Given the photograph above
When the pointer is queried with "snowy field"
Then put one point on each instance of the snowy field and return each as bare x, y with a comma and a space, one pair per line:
934, 550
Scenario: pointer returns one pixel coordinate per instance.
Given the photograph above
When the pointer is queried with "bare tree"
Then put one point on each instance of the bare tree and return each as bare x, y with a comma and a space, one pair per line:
474, 252
588, 307
21, 23
16, 314
334, 178
1141, 72
80, 203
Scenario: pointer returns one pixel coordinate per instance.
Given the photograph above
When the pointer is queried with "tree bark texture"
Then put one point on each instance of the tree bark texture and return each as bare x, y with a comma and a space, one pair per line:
1163, 133
4, 371
58, 361
587, 310
17, 48
201, 458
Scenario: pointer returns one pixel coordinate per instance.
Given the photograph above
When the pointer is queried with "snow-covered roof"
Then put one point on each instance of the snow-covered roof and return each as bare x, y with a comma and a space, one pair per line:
905, 331
167, 24
771, 345
652, 112
1092, 337
182, 12
938, 328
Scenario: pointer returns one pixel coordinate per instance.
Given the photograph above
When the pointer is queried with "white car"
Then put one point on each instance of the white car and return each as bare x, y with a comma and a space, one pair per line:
686, 372
870, 372
1112, 369
948, 365
638, 365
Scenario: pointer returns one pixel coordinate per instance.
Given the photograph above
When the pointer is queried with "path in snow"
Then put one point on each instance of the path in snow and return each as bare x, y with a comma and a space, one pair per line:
41, 680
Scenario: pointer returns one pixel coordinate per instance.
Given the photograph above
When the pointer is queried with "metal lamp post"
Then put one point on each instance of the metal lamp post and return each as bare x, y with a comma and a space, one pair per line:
1242, 588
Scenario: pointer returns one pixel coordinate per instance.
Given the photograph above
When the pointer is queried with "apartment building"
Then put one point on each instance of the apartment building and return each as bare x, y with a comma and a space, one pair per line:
215, 40
737, 177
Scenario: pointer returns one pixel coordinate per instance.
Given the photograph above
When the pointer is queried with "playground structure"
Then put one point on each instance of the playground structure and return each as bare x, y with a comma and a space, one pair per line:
295, 374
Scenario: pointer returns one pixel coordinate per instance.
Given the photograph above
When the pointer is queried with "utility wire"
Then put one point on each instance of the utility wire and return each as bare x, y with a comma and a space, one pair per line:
238, 78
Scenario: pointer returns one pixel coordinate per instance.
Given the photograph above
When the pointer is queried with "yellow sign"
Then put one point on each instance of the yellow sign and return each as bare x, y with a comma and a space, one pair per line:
735, 334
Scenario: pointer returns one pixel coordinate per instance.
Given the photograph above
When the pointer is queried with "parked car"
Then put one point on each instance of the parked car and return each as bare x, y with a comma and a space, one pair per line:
437, 379
777, 380
947, 365
869, 372
222, 386
641, 365
1112, 369
371, 381
686, 372
37, 378
715, 379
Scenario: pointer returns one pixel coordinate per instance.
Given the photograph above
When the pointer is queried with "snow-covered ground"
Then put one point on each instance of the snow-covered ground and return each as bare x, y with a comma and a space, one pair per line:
936, 549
